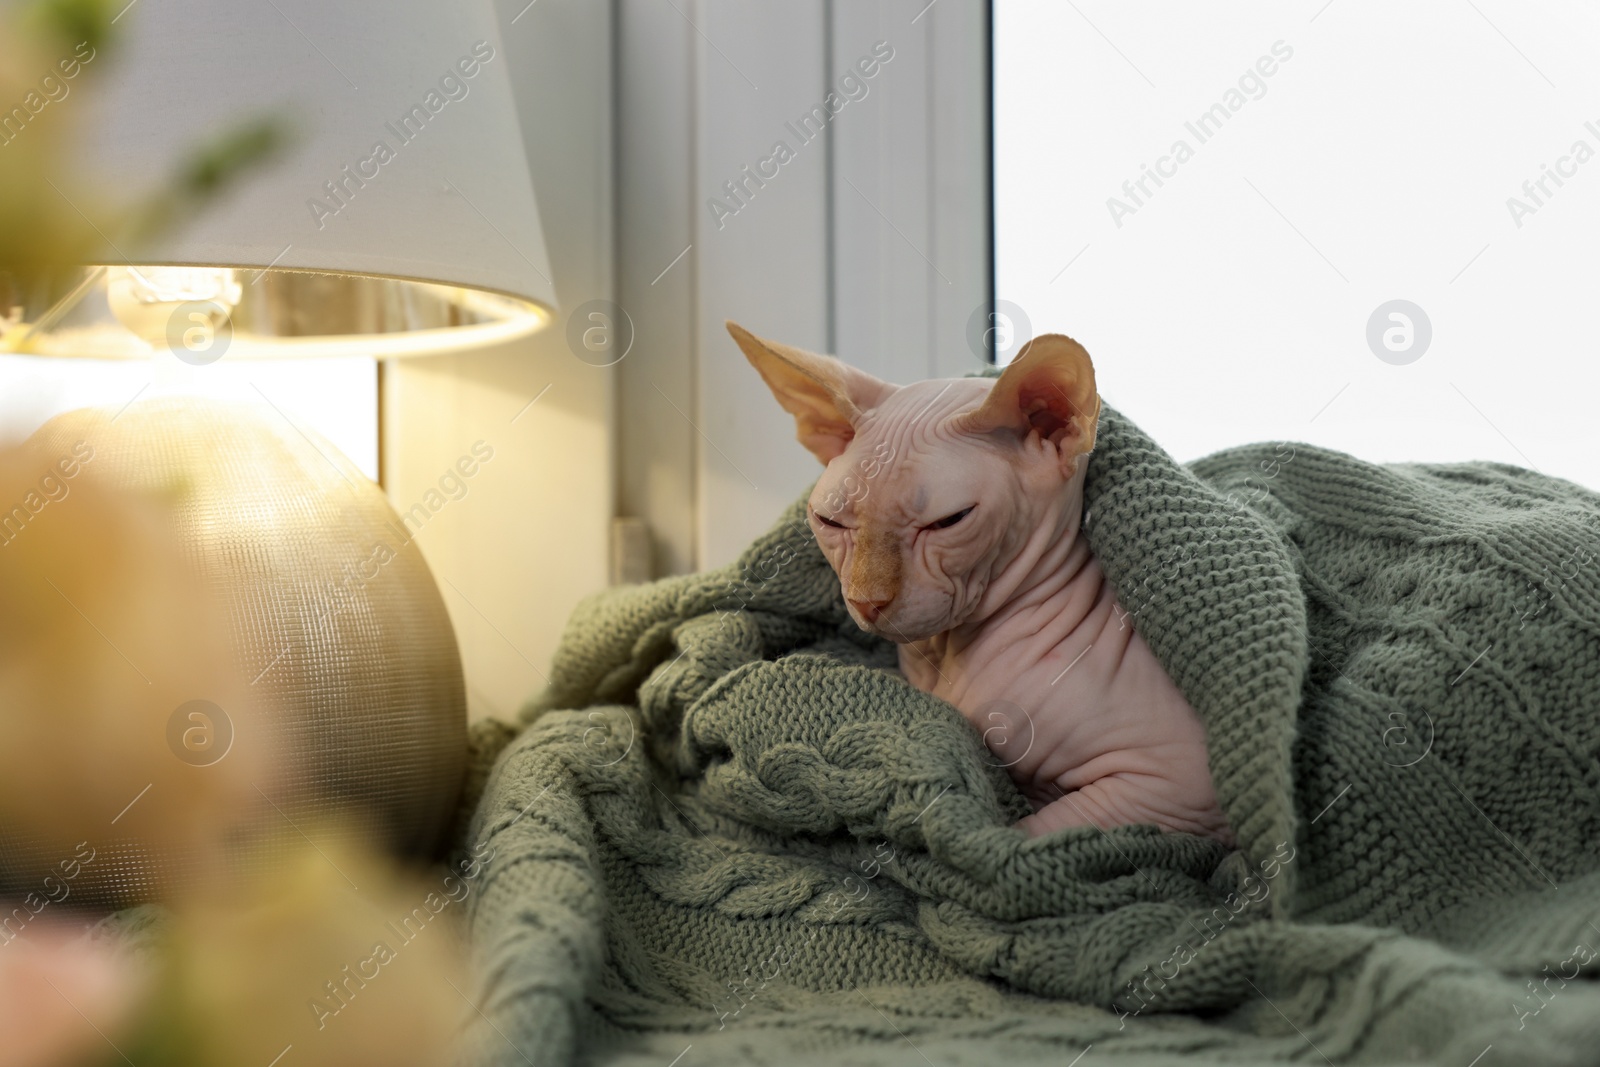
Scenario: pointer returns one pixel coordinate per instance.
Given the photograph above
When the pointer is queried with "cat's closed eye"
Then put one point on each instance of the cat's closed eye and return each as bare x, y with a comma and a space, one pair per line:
950, 520
827, 521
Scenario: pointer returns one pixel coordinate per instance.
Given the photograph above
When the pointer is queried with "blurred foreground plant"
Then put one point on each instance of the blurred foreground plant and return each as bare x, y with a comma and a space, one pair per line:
265, 943
56, 988
333, 955
104, 632
55, 218
336, 955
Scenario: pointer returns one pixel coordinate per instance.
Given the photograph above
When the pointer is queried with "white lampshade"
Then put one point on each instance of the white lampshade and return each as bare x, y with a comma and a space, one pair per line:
400, 218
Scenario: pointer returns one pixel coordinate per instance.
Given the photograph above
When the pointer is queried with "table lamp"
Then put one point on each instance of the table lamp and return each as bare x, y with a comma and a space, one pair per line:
398, 221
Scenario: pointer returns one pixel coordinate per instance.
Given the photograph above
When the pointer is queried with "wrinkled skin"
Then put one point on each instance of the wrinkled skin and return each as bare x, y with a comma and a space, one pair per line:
950, 510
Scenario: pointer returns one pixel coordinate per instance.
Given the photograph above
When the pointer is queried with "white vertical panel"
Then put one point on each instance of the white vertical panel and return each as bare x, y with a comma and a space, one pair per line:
883, 221
872, 241
911, 186
657, 205
960, 163
758, 69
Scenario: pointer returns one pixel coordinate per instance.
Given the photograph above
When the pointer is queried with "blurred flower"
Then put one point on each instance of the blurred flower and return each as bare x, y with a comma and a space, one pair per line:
64, 998
104, 633
334, 953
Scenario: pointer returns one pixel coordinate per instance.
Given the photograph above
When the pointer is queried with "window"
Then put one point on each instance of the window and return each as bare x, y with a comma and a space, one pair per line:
1225, 204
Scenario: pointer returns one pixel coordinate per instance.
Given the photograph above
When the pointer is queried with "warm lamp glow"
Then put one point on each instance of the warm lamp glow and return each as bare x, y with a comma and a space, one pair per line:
203, 313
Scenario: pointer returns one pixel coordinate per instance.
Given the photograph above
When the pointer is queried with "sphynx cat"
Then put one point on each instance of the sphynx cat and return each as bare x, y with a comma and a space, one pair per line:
963, 548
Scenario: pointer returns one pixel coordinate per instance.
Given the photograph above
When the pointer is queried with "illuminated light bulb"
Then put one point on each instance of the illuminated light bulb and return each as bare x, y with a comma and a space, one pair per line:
146, 299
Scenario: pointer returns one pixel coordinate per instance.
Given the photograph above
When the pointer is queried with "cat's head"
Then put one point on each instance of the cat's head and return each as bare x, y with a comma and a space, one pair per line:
938, 496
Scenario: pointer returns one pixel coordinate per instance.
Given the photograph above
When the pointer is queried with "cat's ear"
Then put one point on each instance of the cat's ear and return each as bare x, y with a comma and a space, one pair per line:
1048, 387
825, 395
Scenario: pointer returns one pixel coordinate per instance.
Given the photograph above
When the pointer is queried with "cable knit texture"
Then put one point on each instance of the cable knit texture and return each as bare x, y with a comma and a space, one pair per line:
729, 824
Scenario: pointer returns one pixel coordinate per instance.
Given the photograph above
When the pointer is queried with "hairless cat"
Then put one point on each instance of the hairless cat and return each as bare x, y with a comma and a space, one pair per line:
965, 551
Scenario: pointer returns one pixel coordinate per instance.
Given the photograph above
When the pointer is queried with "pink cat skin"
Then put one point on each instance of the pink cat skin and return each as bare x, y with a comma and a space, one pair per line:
950, 511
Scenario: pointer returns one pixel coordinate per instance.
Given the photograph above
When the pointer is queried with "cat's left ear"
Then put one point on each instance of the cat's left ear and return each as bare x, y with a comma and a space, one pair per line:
1049, 388
825, 395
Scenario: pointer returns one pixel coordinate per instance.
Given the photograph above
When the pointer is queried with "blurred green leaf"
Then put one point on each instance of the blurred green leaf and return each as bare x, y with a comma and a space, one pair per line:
209, 170
215, 164
75, 21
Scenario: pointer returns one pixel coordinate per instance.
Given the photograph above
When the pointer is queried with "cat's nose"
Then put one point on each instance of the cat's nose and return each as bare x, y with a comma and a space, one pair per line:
871, 609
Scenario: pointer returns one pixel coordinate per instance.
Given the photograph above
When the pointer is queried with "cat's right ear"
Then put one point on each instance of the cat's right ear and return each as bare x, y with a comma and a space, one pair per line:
825, 395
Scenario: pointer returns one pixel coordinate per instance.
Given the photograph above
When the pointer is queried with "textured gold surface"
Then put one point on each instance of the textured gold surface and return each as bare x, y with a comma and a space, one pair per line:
355, 708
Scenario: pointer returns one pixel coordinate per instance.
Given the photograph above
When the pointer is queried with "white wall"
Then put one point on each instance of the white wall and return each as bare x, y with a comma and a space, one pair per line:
1232, 306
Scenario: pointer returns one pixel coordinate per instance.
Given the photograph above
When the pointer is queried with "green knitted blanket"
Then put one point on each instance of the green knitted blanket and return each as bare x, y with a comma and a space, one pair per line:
730, 833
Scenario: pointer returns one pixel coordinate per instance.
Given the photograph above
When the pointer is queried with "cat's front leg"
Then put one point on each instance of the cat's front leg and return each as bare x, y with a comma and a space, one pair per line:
1088, 806
1115, 801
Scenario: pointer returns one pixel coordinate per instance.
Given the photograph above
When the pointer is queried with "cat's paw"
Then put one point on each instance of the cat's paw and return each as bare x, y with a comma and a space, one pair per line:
1064, 813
